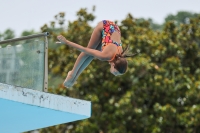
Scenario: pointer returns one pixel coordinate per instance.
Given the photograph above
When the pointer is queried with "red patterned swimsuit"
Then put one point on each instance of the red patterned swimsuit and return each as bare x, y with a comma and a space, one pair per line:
108, 28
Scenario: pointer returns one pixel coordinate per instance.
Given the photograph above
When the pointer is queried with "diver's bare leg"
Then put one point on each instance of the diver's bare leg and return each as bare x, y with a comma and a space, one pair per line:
83, 59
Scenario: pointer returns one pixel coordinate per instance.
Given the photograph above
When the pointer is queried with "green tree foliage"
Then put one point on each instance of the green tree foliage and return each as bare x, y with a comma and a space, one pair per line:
159, 93
7, 34
28, 32
152, 24
181, 17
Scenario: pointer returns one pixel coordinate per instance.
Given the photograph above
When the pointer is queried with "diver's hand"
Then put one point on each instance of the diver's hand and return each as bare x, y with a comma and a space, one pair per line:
62, 39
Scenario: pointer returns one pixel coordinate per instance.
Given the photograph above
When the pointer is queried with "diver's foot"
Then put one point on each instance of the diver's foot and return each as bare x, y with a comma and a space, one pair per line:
68, 81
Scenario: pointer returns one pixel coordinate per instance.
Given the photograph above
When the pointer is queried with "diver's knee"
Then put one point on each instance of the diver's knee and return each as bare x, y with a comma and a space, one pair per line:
100, 25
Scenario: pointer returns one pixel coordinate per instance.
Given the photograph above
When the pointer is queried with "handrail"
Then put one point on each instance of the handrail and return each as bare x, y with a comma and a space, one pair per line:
24, 38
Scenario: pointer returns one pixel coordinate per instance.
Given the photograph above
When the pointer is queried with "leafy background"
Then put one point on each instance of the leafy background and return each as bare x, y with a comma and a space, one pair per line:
160, 93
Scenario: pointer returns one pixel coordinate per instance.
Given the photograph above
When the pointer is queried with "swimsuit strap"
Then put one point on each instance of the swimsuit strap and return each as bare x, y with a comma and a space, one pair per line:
115, 54
116, 43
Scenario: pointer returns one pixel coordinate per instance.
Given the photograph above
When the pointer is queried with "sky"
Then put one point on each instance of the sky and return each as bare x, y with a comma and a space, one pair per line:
21, 15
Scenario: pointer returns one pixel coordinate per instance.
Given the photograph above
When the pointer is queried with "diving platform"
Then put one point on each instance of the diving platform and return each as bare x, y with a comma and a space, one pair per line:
25, 103
25, 109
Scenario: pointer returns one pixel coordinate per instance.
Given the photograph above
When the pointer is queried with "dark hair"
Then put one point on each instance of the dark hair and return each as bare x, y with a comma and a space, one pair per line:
120, 61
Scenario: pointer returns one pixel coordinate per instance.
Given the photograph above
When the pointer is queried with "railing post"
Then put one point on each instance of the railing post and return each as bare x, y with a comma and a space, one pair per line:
46, 66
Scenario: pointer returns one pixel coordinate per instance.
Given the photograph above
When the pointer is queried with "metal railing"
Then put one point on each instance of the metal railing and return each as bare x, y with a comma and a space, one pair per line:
24, 38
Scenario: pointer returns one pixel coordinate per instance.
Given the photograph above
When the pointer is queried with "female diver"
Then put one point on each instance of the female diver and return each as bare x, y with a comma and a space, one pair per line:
105, 45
